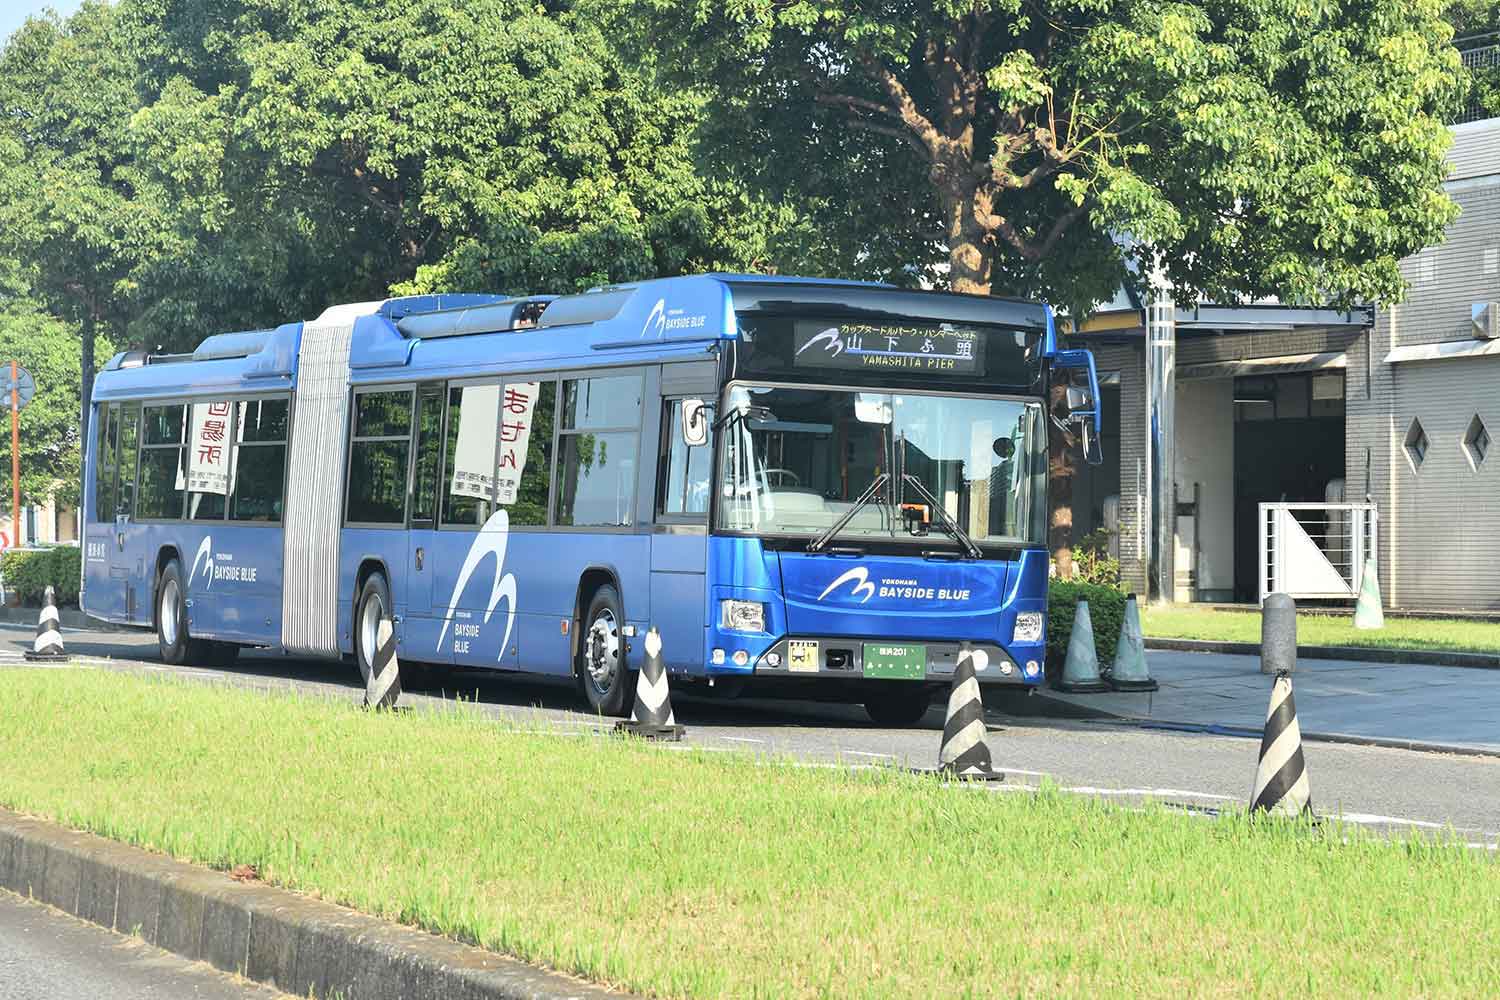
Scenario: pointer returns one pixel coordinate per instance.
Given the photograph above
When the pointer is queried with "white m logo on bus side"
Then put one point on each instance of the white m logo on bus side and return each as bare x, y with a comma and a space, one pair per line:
492, 538
864, 586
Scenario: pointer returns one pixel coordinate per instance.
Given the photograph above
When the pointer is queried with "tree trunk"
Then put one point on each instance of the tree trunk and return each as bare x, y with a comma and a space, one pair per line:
1061, 464
86, 394
970, 257
970, 254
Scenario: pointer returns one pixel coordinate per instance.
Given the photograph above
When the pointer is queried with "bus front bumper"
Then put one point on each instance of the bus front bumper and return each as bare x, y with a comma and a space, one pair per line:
853, 658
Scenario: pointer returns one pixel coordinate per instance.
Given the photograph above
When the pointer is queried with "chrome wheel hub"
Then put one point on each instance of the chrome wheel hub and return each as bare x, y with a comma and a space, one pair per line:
602, 655
171, 597
370, 614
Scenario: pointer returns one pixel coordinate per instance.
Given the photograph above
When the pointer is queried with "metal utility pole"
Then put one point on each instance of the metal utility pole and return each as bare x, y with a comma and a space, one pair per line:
15, 452
1161, 442
21, 388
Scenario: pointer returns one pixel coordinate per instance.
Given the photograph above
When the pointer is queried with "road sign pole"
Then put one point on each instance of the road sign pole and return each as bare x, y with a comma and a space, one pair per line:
15, 453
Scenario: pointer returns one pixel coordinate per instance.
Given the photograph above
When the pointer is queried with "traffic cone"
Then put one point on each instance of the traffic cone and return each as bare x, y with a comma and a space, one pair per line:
964, 752
48, 645
1368, 612
651, 715
1128, 672
383, 685
1281, 786
1080, 673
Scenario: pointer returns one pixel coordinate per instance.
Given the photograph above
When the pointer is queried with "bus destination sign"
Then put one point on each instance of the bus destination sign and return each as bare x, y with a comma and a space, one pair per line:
934, 350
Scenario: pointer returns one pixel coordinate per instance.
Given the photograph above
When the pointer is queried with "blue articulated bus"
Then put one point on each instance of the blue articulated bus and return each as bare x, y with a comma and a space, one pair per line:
814, 486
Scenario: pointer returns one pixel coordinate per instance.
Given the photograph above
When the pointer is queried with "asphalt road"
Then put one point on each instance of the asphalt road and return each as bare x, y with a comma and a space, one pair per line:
48, 955
1398, 789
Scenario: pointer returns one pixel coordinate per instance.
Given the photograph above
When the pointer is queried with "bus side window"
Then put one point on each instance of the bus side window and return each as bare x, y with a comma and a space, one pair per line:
378, 457
259, 469
104, 466
163, 478
129, 455
601, 419
523, 473
684, 470
208, 460
469, 484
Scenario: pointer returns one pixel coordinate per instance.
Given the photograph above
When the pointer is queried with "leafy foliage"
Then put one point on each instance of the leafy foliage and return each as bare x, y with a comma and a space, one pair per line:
29, 572
48, 349
1092, 562
1106, 611
1058, 148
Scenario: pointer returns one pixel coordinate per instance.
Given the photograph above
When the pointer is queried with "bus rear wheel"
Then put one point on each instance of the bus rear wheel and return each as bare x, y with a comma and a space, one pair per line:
374, 604
602, 675
172, 640
903, 704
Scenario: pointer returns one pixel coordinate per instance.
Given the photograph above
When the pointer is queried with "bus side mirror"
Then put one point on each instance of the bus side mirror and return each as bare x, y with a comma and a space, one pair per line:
1092, 453
694, 423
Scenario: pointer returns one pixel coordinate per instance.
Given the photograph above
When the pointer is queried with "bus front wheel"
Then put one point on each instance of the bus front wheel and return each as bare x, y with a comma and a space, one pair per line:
172, 639
602, 676
902, 704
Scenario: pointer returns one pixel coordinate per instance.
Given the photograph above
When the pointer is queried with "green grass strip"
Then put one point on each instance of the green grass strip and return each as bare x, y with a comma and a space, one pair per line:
1446, 634
723, 875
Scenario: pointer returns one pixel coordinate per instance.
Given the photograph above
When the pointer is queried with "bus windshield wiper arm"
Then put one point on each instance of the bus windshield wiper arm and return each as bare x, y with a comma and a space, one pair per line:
816, 545
959, 535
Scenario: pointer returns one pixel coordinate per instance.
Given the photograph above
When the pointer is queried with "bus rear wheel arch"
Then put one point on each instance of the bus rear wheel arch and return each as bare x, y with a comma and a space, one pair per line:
170, 611
374, 603
604, 679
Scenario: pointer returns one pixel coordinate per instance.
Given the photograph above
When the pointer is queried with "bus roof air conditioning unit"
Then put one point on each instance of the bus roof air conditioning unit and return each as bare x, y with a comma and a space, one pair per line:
1486, 319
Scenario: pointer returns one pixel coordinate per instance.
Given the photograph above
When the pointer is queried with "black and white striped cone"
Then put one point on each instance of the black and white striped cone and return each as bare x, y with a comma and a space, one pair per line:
383, 685
48, 644
964, 752
652, 715
1281, 786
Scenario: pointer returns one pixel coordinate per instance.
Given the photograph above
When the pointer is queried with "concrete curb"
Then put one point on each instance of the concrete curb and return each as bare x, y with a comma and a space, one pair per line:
1059, 708
301, 946
67, 617
1429, 657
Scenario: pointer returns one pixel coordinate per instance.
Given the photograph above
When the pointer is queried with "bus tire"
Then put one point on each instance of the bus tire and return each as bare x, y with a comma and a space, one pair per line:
374, 603
172, 640
899, 704
603, 678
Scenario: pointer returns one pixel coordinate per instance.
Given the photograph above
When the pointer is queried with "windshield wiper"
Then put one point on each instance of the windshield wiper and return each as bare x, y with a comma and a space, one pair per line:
871, 491
959, 535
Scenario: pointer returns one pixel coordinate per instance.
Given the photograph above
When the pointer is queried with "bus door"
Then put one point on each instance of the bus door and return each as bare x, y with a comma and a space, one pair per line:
125, 566
422, 622
679, 539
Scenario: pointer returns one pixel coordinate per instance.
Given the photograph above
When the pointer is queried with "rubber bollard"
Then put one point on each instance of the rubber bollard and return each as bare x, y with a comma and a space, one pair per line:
1278, 634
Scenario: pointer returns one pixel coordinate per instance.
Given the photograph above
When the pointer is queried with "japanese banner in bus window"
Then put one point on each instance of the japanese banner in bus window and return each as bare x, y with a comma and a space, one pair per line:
474, 453
210, 455
517, 410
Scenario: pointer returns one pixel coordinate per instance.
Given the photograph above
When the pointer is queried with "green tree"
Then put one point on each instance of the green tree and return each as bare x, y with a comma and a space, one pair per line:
1058, 148
50, 444
1477, 24
78, 219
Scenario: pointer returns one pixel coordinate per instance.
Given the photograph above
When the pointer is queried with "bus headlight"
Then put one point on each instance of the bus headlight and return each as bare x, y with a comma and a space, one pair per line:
742, 616
1028, 627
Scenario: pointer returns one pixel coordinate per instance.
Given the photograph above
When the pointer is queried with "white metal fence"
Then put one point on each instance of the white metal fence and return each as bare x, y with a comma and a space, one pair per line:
1315, 550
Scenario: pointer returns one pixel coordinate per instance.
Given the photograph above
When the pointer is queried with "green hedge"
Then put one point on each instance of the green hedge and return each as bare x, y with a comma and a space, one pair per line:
29, 572
1106, 610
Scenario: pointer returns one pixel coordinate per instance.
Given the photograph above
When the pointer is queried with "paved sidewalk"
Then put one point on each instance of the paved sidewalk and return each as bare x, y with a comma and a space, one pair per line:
1448, 706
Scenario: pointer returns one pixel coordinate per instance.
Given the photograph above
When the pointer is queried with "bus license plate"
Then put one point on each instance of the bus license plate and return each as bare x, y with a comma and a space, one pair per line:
895, 662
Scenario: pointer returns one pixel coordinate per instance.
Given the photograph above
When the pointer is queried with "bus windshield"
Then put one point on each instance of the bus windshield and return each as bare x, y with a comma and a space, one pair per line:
794, 461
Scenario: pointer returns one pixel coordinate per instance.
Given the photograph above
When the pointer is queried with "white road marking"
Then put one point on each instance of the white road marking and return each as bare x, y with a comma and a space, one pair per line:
862, 753
1153, 792
741, 739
